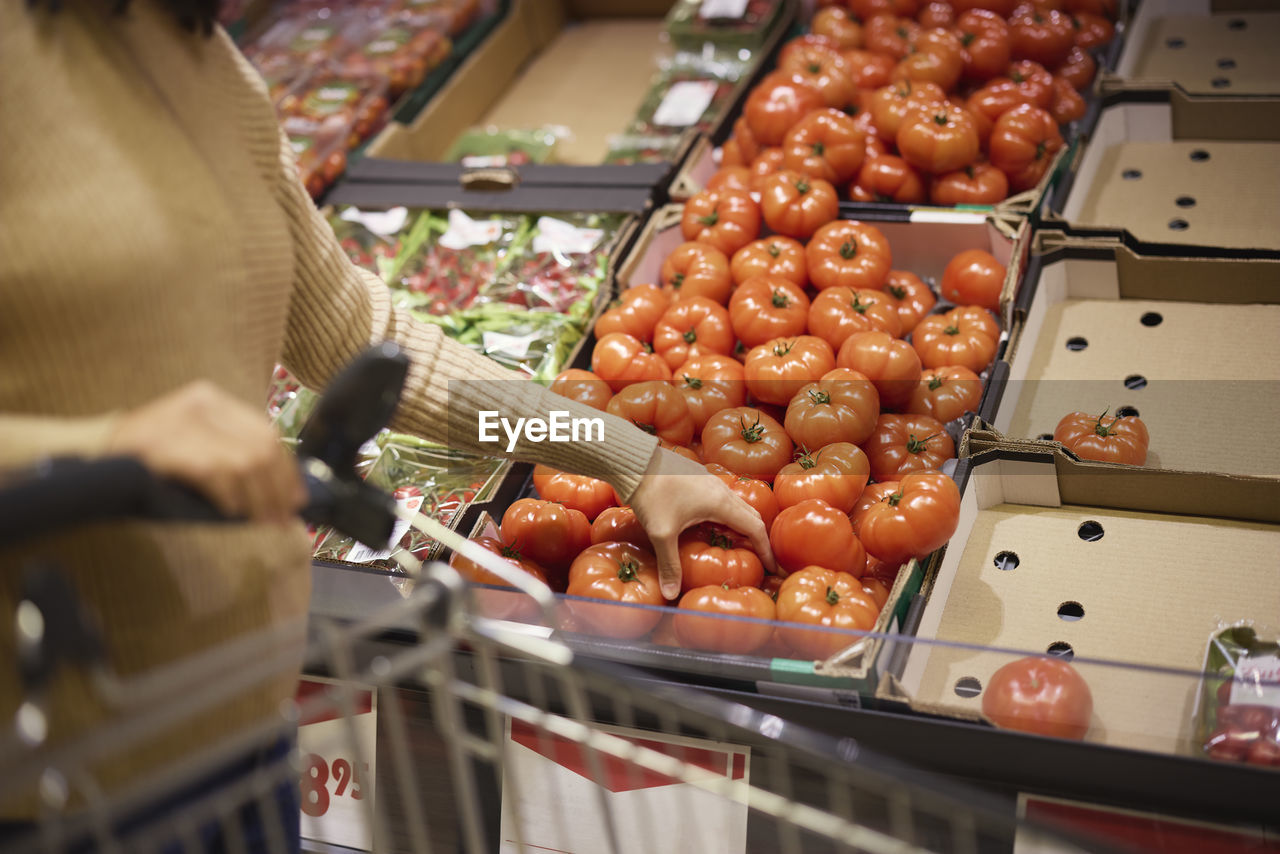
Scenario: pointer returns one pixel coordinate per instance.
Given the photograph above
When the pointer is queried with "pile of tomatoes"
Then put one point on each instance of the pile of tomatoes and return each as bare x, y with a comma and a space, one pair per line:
816, 381
949, 101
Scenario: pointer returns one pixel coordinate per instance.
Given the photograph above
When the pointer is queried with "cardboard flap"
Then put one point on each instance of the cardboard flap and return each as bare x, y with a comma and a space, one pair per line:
1229, 54
1197, 193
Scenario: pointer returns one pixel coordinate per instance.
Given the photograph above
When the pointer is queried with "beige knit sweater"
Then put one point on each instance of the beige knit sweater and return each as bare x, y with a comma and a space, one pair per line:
152, 232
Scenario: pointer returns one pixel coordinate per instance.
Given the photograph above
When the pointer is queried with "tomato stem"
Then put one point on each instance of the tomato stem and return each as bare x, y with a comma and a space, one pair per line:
648, 428
940, 119
692, 382
780, 300
719, 540
819, 149
849, 249
754, 433
857, 305
628, 570
690, 336
817, 395
832, 597
710, 219
802, 186
677, 280
774, 250
783, 348
1106, 431
805, 459
935, 382
893, 499
952, 330
919, 446
897, 291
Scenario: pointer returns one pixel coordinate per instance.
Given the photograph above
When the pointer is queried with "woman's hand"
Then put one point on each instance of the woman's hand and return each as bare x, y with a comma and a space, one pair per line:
676, 494
213, 442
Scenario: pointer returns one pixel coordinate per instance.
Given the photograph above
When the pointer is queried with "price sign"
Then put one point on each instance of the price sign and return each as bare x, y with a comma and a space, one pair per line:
337, 785
554, 795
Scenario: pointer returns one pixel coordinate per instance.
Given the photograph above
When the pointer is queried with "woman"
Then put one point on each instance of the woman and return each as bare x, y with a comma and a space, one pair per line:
158, 256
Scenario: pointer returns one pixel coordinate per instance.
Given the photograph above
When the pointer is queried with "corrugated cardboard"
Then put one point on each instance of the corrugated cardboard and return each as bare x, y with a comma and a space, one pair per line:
1152, 588
1211, 401
1136, 177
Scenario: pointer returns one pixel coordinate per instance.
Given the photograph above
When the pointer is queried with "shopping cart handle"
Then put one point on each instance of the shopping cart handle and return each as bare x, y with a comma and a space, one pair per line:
359, 402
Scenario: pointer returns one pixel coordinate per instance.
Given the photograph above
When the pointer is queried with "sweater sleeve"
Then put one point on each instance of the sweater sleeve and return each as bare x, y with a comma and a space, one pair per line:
338, 309
27, 439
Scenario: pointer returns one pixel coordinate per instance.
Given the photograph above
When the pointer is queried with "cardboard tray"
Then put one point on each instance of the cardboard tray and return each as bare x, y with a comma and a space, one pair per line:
582, 64
1127, 570
1163, 185
1188, 343
1209, 59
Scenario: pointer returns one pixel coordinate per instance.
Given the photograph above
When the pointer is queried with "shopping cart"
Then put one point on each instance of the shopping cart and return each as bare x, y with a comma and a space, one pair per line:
491, 736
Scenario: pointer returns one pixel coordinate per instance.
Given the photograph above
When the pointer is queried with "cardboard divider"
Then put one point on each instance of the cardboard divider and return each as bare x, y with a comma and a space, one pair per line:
1043, 538
1186, 344
1140, 179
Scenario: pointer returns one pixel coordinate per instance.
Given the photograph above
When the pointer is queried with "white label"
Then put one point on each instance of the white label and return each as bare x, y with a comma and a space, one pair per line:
514, 346
381, 223
464, 232
360, 553
315, 34
333, 93
559, 237
549, 784
337, 773
1257, 682
684, 103
483, 161
722, 8
383, 46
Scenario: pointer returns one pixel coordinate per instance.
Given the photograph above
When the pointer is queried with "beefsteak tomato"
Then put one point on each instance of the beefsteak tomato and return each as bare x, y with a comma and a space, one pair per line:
902, 444
890, 363
843, 406
618, 573
823, 599
1124, 439
913, 517
746, 441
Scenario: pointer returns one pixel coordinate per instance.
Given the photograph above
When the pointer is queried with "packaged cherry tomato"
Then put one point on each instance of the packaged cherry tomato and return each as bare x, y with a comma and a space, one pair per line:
321, 152
372, 239
557, 264
424, 478
493, 146
730, 23
1239, 705
400, 53
628, 149
355, 105
449, 256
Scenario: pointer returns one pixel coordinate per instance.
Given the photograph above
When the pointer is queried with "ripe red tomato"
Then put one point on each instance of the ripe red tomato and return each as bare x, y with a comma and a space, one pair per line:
549, 534
889, 178
938, 138
496, 604
771, 256
695, 270
727, 219
634, 313
865, 9
657, 408
748, 145
876, 589
910, 297
965, 336
902, 444
582, 386
1003, 8
889, 34
984, 37
1045, 696
1024, 143
837, 24
869, 70
813, 533
993, 100
1045, 36
777, 369
889, 104
846, 253
732, 154
975, 184
974, 277
946, 393
767, 162
687, 451
616, 572
825, 144
712, 556
1031, 79
796, 205
1067, 104
620, 360
823, 68
1123, 439
777, 103
746, 441
693, 326
701, 624
936, 57
734, 177
890, 363
820, 597
578, 492
913, 517
843, 406
1092, 31
755, 492
1078, 69
836, 473
768, 307
619, 525
839, 312
710, 384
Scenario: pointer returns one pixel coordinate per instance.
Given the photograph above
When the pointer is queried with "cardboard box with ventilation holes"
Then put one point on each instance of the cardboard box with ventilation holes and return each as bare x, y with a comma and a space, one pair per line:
1158, 182
1125, 570
1187, 344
